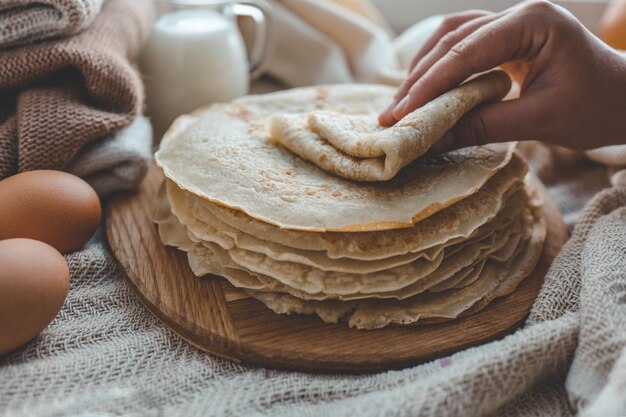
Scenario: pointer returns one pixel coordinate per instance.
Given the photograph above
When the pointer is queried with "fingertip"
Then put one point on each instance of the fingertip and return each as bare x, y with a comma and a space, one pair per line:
386, 119
400, 110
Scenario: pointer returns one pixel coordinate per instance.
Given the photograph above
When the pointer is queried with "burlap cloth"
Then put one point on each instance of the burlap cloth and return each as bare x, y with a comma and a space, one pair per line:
60, 95
106, 355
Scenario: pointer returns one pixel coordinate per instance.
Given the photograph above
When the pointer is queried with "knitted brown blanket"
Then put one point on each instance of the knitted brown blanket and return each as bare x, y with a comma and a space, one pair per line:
59, 95
23, 21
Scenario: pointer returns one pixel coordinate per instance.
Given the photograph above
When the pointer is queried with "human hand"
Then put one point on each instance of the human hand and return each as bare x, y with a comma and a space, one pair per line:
573, 94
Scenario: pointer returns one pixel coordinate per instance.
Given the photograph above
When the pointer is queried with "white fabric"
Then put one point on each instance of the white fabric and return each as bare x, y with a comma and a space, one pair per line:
117, 163
408, 43
321, 42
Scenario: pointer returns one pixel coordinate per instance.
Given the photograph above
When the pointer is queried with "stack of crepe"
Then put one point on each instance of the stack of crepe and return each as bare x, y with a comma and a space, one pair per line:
438, 239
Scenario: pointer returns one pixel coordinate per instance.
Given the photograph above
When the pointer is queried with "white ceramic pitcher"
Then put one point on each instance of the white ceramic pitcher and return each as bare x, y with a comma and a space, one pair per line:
196, 56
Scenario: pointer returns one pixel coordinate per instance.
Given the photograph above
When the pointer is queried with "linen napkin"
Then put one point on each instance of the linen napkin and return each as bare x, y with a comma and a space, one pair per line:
58, 96
24, 21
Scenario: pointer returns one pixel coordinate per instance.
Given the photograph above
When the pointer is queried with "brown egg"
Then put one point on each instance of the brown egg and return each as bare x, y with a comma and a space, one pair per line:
51, 206
34, 279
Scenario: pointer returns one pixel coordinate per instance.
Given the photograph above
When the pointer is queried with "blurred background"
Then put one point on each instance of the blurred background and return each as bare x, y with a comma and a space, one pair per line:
396, 11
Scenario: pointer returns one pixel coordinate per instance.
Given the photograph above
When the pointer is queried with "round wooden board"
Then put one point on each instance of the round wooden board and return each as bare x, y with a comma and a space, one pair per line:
216, 317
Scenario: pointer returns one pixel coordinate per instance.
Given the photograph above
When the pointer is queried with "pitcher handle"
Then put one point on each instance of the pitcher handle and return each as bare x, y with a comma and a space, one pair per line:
261, 52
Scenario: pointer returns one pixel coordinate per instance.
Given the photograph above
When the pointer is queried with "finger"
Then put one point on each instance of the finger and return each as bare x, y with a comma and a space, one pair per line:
442, 46
503, 121
385, 118
489, 46
449, 23
446, 37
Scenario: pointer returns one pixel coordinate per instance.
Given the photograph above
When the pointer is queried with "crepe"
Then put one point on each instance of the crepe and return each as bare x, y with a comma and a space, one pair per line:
495, 280
284, 262
488, 278
460, 221
358, 148
448, 269
225, 155
312, 283
229, 238
467, 276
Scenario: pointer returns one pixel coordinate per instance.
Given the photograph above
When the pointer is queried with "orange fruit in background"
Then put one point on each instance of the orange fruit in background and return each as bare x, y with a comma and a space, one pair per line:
613, 25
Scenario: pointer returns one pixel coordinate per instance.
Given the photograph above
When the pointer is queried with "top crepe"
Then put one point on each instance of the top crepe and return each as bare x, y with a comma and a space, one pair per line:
226, 155
358, 148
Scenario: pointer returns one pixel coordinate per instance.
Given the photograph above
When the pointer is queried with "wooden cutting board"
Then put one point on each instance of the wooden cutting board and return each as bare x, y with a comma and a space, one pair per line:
216, 317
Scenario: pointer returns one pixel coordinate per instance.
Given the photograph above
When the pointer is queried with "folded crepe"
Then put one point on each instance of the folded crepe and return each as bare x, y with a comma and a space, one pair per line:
356, 147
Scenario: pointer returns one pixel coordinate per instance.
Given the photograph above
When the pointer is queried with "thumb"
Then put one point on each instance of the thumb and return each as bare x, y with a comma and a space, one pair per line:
502, 121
